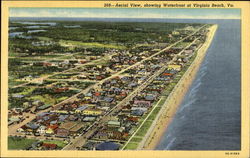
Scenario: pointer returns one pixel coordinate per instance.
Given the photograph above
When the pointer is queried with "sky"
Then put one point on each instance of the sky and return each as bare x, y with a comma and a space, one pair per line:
176, 13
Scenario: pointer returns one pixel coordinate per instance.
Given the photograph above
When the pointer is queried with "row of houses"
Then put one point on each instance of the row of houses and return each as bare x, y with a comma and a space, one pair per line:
126, 120
121, 126
51, 124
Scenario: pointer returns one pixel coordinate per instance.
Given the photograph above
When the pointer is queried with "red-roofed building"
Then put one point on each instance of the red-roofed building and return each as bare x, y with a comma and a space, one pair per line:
97, 93
74, 105
58, 90
133, 119
99, 77
167, 74
123, 94
125, 135
53, 127
82, 61
142, 103
49, 146
46, 64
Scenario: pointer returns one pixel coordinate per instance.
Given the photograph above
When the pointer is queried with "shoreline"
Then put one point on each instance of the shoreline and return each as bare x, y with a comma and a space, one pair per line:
167, 113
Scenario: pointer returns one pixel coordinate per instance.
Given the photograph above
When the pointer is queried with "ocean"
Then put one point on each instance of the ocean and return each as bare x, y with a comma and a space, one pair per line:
209, 117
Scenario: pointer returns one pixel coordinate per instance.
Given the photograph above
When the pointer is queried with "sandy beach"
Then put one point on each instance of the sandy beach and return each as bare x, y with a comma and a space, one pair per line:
166, 114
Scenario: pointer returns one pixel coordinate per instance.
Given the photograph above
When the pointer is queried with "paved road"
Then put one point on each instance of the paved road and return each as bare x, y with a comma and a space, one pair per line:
38, 137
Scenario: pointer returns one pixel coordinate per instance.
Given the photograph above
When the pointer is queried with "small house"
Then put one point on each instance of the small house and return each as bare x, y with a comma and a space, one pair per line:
89, 119
41, 130
114, 123
150, 97
144, 109
20, 130
142, 103
49, 146
49, 131
137, 112
174, 67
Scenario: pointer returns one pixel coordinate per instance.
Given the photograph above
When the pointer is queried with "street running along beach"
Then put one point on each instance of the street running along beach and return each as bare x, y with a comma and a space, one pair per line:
169, 108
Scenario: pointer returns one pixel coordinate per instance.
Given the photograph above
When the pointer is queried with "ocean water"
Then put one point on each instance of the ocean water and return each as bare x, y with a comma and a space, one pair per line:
209, 118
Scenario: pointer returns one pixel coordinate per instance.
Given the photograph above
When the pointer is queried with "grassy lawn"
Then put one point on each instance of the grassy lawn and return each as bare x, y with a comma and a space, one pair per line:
59, 143
44, 38
22, 90
15, 143
145, 45
89, 45
13, 83
131, 146
13, 54
136, 139
155, 112
162, 101
47, 99
61, 99
182, 44
143, 118
27, 91
168, 90
143, 130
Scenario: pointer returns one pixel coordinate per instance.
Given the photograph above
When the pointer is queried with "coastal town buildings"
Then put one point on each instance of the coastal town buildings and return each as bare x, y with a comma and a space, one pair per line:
99, 100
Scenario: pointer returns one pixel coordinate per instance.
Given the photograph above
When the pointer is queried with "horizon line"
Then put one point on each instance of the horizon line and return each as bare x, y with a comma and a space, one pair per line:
133, 18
